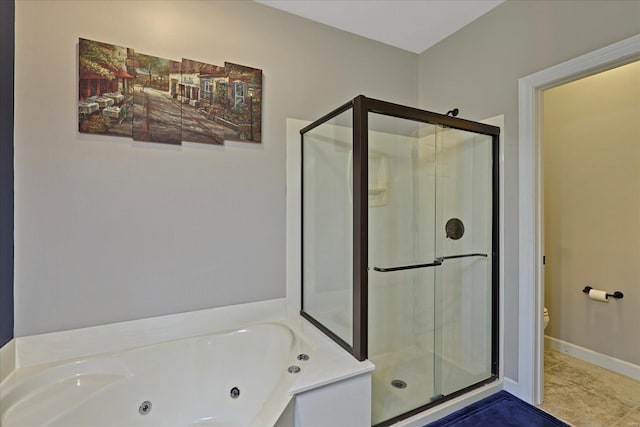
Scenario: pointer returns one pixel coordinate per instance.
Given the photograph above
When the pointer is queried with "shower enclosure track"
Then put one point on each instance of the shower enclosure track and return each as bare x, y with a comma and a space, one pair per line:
436, 262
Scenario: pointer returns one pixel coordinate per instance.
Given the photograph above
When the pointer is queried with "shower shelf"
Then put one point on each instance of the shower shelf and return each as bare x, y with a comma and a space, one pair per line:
436, 262
377, 190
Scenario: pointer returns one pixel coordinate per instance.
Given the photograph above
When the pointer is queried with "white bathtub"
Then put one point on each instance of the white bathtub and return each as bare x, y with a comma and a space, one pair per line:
188, 382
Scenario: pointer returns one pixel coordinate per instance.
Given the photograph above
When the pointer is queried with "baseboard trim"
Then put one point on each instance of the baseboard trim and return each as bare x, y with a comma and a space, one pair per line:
511, 386
611, 363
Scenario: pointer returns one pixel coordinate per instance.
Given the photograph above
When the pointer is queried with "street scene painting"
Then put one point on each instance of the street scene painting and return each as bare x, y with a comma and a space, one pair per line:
200, 88
104, 89
243, 101
218, 103
126, 93
156, 116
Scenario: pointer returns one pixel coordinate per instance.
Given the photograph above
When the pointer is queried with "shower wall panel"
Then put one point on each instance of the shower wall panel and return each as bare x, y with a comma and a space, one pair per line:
401, 304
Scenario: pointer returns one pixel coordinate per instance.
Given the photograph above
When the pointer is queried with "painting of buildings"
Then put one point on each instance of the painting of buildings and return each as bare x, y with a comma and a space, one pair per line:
244, 103
157, 117
195, 87
104, 89
126, 93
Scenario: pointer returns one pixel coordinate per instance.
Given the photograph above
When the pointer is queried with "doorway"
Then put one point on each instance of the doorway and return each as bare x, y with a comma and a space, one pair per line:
591, 187
530, 299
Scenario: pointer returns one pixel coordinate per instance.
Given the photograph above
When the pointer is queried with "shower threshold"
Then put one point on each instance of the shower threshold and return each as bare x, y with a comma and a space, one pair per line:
402, 384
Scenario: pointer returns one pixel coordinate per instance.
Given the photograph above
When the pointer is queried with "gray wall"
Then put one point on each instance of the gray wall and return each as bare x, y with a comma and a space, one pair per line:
108, 230
477, 69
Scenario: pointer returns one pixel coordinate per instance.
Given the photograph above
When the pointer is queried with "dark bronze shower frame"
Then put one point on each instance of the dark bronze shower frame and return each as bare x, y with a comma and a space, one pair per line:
360, 107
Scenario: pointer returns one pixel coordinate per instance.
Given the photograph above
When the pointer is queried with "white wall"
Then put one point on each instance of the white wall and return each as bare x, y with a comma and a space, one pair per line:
592, 210
477, 70
108, 230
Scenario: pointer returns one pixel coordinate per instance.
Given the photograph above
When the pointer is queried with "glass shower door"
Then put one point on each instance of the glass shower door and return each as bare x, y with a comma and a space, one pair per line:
402, 305
430, 276
464, 245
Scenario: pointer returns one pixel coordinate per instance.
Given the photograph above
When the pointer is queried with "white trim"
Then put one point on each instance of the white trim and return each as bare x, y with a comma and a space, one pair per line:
510, 386
611, 363
527, 163
530, 344
293, 212
57, 346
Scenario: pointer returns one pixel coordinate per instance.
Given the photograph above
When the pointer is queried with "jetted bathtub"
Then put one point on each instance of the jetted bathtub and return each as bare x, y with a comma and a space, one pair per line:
237, 378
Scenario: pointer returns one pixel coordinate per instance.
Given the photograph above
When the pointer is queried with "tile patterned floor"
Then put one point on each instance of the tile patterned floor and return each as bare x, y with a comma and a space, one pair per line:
585, 395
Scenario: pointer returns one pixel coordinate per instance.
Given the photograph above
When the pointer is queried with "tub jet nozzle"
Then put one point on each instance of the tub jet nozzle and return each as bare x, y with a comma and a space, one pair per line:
145, 407
234, 393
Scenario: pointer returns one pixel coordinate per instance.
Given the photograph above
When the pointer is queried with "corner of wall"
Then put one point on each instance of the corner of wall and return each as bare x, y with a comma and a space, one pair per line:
511, 386
7, 359
7, 50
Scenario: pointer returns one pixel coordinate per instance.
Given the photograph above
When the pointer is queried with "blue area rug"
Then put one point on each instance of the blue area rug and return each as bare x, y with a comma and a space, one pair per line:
500, 410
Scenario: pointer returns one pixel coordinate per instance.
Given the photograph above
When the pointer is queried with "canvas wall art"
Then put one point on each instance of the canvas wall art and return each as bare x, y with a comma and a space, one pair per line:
156, 117
200, 88
104, 89
244, 103
126, 93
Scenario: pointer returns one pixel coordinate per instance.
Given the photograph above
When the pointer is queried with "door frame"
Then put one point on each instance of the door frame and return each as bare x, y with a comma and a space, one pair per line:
530, 234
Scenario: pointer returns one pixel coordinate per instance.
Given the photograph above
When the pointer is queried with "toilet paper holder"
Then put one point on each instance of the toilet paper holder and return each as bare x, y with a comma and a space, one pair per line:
616, 294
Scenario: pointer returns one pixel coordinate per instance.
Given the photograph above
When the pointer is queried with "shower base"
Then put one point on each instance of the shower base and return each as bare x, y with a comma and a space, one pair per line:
408, 378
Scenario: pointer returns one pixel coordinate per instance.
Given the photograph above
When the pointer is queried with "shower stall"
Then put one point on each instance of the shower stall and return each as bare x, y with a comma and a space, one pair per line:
399, 248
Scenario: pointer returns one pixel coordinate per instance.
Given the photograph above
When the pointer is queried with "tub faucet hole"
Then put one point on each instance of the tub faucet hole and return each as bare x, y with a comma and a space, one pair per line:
145, 407
234, 393
294, 369
303, 356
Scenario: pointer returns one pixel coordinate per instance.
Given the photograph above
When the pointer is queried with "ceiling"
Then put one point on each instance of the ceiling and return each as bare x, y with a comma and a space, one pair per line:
413, 25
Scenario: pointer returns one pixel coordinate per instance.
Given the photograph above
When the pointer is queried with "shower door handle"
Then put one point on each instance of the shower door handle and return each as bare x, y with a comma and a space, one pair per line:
462, 256
436, 262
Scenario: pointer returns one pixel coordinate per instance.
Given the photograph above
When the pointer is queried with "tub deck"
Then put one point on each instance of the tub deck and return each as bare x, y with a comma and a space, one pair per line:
188, 381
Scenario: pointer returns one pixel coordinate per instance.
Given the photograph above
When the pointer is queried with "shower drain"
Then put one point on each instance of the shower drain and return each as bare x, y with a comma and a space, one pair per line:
399, 384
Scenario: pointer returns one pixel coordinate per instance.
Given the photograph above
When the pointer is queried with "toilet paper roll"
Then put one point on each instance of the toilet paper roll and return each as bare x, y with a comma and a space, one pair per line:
598, 295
